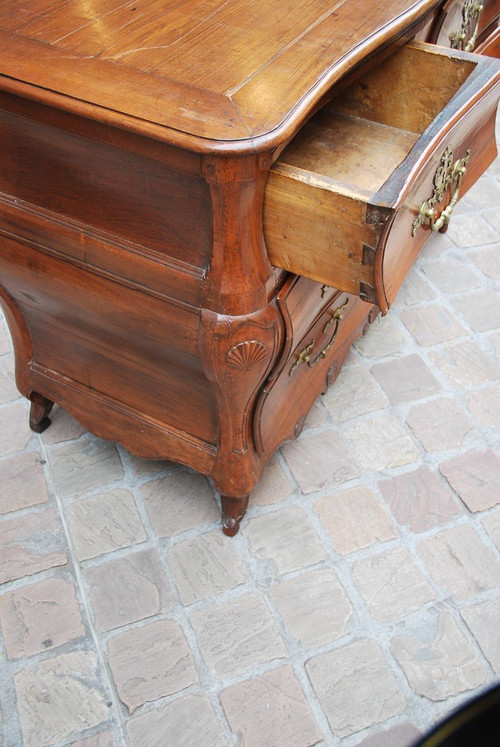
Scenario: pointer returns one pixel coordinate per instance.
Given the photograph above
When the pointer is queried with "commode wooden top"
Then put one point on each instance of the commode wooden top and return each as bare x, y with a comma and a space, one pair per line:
232, 75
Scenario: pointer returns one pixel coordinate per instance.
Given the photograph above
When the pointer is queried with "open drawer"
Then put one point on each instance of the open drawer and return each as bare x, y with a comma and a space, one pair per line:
354, 196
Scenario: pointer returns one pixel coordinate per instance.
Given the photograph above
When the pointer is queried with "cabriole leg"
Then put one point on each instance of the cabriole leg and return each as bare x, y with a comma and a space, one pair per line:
40, 408
233, 510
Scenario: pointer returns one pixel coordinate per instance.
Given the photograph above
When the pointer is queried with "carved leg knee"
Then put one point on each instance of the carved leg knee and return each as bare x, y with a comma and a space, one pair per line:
233, 510
40, 408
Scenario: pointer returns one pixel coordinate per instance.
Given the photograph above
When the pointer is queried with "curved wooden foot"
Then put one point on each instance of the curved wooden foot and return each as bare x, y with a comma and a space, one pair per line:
40, 408
233, 510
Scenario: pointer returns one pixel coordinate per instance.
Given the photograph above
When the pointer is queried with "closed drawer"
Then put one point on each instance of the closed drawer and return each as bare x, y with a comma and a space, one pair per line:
301, 302
490, 45
349, 201
308, 365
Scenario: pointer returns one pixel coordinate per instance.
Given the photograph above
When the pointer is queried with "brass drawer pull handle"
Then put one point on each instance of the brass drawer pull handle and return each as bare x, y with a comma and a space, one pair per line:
305, 355
446, 173
462, 38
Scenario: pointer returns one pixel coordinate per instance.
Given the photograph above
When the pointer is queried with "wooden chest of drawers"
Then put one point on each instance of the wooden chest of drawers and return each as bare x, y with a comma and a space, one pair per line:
202, 205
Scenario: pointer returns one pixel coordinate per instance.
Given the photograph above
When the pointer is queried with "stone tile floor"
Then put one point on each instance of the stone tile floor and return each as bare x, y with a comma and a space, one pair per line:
359, 603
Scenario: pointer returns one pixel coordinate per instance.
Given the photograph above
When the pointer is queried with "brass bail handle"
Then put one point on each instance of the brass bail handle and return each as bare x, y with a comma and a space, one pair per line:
447, 174
305, 355
465, 37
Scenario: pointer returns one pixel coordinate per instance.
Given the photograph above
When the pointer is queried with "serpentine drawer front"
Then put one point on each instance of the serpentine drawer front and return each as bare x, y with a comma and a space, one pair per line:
321, 325
355, 195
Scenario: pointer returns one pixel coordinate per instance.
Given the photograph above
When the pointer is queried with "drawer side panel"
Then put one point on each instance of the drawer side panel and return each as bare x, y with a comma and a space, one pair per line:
313, 231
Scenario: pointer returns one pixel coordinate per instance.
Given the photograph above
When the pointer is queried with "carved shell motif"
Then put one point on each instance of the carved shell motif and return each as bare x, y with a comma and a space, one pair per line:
246, 354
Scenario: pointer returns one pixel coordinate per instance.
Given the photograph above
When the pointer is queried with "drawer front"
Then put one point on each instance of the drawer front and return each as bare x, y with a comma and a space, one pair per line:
344, 198
490, 45
301, 302
465, 24
305, 372
445, 171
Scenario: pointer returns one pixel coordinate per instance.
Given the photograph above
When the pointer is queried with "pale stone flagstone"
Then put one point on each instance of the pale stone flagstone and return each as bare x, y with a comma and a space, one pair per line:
420, 499
484, 622
491, 523
386, 338
355, 687
391, 584
63, 428
128, 589
481, 309
470, 230
60, 697
460, 562
190, 716
23, 483
5, 340
440, 661
431, 324
273, 487
406, 379
99, 740
313, 606
15, 434
39, 617
488, 260
378, 452
238, 635
150, 662
452, 275
8, 390
320, 461
205, 566
354, 519
475, 477
31, 544
270, 709
484, 404
439, 424
285, 538
104, 523
85, 464
396, 736
465, 364
354, 393
416, 288
178, 502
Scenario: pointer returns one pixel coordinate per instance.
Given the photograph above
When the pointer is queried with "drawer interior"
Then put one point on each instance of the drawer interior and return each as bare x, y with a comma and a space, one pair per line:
354, 151
363, 134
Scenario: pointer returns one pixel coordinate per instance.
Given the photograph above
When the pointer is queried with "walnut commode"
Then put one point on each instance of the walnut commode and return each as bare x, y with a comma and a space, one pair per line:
202, 205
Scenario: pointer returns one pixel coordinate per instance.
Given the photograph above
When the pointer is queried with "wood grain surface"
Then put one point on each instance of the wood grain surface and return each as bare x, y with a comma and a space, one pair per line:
194, 71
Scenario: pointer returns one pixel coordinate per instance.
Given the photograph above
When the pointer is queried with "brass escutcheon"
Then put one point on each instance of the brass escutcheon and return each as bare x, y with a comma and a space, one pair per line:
305, 355
446, 174
465, 37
